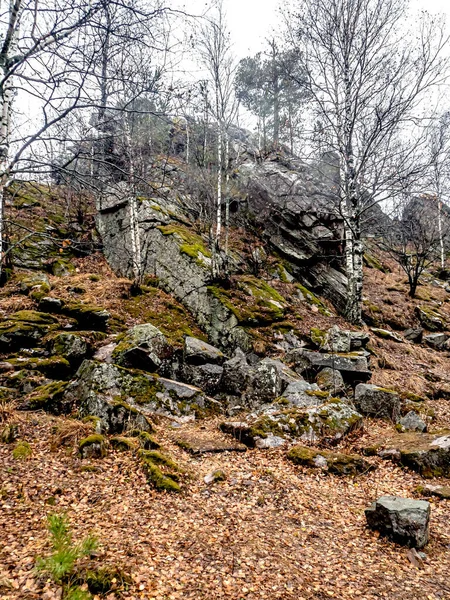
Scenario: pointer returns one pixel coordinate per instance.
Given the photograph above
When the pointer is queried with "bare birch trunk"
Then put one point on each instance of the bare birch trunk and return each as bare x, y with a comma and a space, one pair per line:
219, 182
441, 237
227, 195
134, 224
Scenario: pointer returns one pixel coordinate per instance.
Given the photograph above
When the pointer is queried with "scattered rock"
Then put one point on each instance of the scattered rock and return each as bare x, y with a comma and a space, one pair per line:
412, 422
377, 402
271, 441
50, 305
440, 491
198, 352
331, 381
353, 365
386, 334
333, 462
215, 476
303, 394
402, 520
71, 346
88, 316
105, 353
62, 268
338, 340
25, 329
267, 381
430, 319
94, 446
436, 340
427, 454
414, 335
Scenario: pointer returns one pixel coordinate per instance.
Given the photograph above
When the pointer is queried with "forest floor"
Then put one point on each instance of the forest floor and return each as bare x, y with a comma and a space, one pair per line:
271, 529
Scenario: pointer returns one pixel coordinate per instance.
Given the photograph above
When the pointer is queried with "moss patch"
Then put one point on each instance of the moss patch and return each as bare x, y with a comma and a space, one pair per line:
313, 300
22, 450
161, 471
47, 397
192, 244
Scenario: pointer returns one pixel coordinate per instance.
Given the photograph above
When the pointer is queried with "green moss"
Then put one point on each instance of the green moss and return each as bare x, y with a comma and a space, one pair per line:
55, 366
22, 450
95, 438
319, 337
411, 396
371, 307
33, 316
317, 394
123, 444
163, 481
146, 441
373, 263
265, 426
192, 243
253, 302
158, 458
47, 397
94, 277
313, 300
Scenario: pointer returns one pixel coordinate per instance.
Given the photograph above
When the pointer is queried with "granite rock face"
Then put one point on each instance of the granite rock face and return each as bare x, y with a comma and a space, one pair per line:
404, 521
375, 401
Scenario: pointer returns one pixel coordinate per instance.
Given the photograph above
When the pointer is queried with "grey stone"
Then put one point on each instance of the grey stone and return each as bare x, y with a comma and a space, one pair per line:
412, 422
268, 380
353, 366
207, 377
402, 520
105, 353
331, 381
71, 346
271, 441
385, 334
429, 318
375, 401
435, 340
50, 305
143, 347
34, 281
339, 340
414, 335
198, 352
303, 394
125, 398
236, 372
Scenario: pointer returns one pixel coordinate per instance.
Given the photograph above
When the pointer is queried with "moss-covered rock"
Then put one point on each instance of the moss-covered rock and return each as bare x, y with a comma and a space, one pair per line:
33, 282
9, 433
124, 444
22, 450
430, 319
55, 367
161, 470
49, 397
88, 316
146, 441
62, 267
311, 299
336, 463
70, 345
93, 446
372, 262
191, 243
25, 329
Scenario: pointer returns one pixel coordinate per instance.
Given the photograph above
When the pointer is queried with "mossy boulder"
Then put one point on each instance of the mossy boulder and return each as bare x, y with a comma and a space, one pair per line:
34, 282
331, 380
198, 352
310, 298
385, 334
70, 345
427, 454
145, 439
430, 319
25, 329
124, 444
336, 463
62, 268
144, 347
302, 394
328, 422
93, 446
56, 367
124, 399
49, 397
267, 380
353, 366
88, 316
190, 243
161, 470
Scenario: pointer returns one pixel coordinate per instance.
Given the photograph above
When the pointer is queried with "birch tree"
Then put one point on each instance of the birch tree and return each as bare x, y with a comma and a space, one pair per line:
214, 50
367, 76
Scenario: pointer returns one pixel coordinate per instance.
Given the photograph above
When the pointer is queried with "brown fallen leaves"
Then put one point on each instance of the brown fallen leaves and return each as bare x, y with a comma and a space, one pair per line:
270, 530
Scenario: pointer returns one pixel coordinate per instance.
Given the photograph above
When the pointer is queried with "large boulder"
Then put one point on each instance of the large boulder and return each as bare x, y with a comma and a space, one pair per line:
375, 401
412, 421
70, 345
208, 377
427, 454
88, 316
404, 521
143, 347
125, 398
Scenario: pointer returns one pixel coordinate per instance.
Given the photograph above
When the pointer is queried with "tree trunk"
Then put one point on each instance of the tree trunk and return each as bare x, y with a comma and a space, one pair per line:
134, 224
227, 195
441, 237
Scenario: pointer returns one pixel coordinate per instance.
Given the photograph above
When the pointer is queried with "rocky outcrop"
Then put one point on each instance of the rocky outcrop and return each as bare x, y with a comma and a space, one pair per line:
353, 366
143, 347
404, 521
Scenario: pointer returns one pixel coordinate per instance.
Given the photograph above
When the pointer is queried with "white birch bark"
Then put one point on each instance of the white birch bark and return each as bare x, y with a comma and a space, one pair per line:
134, 223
